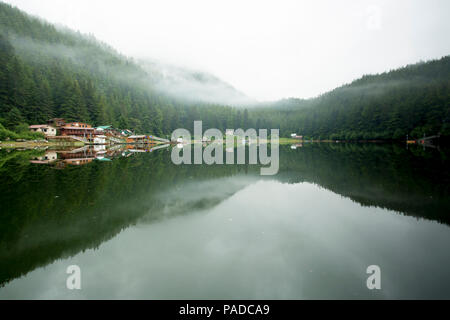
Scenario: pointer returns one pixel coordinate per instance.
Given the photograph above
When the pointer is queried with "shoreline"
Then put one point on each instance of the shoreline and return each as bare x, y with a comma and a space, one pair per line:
50, 144
32, 144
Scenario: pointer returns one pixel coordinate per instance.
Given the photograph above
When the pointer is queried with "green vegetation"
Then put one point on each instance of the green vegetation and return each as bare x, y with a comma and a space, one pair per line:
21, 132
414, 100
47, 72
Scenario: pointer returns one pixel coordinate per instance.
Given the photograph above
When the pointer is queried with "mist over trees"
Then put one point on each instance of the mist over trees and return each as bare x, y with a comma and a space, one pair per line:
413, 100
46, 72
50, 72
193, 86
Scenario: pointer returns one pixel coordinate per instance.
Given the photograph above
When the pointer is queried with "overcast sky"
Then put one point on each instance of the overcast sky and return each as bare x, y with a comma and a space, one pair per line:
267, 49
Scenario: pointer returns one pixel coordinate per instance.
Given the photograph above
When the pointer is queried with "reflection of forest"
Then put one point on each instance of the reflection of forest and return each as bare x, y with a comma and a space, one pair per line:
415, 182
49, 214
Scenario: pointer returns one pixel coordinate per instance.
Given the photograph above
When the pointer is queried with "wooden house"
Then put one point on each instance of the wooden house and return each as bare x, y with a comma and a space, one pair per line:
78, 129
56, 122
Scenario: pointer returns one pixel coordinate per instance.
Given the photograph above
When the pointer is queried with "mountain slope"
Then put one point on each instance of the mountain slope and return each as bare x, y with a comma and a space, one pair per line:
413, 100
47, 71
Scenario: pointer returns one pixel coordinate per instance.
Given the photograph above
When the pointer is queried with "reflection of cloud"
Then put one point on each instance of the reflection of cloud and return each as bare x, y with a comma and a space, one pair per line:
268, 241
197, 196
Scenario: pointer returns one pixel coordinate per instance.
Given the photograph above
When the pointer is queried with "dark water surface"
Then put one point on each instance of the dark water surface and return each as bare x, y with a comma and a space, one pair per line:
140, 227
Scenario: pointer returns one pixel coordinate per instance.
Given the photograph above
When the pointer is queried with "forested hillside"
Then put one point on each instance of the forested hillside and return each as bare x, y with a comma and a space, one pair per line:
413, 100
50, 72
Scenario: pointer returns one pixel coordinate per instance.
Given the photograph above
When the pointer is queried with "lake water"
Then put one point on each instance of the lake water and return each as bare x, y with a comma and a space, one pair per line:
140, 227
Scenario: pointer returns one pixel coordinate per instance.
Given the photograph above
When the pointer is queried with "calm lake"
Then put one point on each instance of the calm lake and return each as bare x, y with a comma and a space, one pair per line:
140, 227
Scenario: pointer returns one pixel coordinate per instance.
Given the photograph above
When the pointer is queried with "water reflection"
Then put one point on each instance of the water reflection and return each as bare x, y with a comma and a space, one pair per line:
224, 231
47, 158
85, 155
296, 146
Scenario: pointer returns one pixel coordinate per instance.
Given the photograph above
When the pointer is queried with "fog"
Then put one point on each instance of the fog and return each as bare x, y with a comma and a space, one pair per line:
193, 85
266, 49
182, 83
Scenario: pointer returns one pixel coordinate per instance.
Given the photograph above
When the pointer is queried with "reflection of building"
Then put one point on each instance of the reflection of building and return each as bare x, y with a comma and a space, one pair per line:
295, 146
78, 162
84, 155
78, 157
136, 148
49, 157
47, 130
137, 139
99, 139
164, 146
99, 148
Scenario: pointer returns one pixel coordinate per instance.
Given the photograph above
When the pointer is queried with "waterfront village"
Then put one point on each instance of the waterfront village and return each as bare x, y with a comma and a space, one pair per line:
77, 143
59, 130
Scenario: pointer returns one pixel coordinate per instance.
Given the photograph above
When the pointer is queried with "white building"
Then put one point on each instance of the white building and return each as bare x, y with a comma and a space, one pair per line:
47, 130
295, 136
100, 139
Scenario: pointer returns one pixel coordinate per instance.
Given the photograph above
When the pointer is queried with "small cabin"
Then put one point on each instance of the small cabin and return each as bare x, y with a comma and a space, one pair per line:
56, 122
127, 133
47, 130
295, 136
